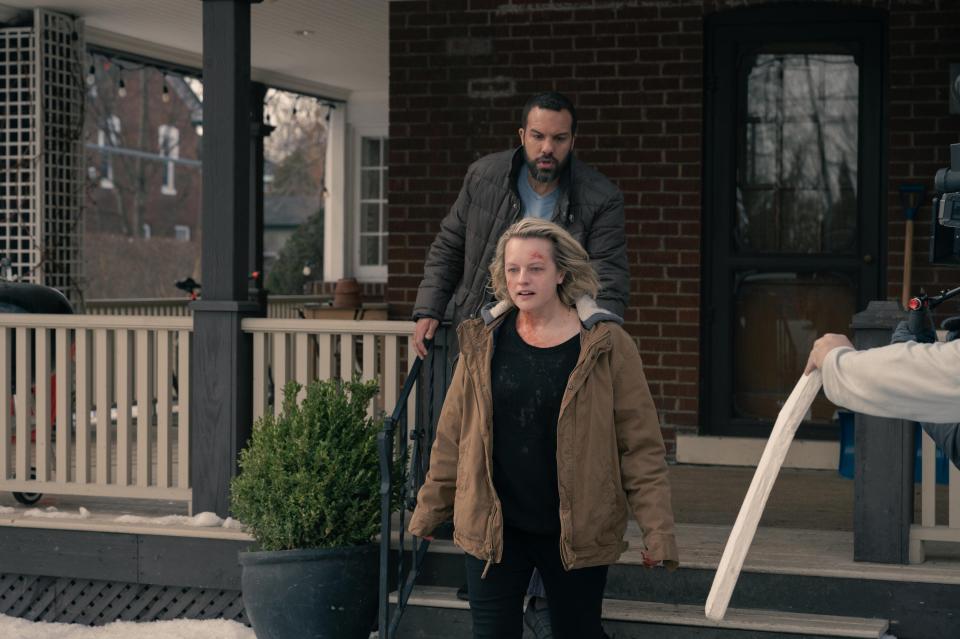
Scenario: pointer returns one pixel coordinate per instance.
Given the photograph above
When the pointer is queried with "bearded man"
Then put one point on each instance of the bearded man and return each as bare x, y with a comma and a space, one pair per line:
540, 178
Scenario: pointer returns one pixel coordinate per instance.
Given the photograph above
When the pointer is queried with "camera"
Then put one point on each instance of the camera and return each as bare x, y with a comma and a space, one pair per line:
945, 236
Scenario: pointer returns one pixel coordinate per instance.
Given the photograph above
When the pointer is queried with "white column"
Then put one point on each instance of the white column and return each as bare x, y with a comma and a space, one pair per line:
335, 249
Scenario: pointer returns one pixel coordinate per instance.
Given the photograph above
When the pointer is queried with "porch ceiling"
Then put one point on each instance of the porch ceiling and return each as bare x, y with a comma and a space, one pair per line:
346, 52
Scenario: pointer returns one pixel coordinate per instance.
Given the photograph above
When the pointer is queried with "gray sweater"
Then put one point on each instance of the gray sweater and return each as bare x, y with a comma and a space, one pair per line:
909, 380
919, 382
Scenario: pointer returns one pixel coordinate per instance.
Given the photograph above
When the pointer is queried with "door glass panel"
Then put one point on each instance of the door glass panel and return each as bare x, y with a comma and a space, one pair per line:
777, 316
797, 167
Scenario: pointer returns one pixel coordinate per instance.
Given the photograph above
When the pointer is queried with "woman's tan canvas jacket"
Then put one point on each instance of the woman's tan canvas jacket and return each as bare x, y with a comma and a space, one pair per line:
609, 447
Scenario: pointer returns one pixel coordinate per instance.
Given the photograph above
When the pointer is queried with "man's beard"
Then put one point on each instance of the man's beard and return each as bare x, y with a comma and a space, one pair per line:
545, 175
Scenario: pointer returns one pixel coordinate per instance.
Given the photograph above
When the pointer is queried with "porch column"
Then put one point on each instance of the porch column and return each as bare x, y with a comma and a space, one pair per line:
258, 131
883, 480
221, 386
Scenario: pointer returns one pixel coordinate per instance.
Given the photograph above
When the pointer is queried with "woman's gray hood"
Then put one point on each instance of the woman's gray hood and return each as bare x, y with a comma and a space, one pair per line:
588, 310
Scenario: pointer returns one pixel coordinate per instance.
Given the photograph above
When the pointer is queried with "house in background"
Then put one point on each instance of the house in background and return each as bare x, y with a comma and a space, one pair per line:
282, 215
142, 151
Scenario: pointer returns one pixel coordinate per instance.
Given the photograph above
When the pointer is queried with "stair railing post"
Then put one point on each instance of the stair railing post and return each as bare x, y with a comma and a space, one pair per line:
884, 460
385, 446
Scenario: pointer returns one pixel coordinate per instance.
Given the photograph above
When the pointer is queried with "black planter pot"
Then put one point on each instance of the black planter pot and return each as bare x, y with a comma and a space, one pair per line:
311, 594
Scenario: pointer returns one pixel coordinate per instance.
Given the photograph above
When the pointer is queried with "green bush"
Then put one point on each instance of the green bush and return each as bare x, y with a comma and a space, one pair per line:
309, 478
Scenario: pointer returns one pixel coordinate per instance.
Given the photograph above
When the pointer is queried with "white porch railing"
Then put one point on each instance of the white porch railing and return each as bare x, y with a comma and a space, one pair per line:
928, 529
95, 405
99, 405
278, 306
304, 350
149, 307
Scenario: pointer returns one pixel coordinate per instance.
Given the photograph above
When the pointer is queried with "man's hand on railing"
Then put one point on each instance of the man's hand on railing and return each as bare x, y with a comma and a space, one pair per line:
424, 331
821, 347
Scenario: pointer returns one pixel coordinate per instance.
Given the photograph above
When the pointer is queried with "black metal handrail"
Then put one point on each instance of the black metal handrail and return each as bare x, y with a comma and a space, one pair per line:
395, 427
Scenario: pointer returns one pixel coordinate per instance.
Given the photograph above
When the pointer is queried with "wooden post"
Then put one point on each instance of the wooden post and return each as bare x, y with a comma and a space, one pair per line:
258, 131
883, 481
220, 409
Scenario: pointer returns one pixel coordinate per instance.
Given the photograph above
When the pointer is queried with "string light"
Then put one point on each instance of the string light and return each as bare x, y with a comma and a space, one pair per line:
92, 75
121, 88
165, 95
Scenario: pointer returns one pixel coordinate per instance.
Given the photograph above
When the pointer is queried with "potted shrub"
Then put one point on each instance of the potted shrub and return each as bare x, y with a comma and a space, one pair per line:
308, 492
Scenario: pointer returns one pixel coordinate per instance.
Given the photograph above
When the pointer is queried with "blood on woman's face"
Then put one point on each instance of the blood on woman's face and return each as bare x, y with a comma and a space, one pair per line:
531, 273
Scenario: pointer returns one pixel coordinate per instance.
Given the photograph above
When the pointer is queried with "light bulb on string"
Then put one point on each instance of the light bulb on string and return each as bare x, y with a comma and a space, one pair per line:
92, 75
121, 88
165, 94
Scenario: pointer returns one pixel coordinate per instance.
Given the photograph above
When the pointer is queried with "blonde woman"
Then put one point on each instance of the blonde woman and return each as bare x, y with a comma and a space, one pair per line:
547, 424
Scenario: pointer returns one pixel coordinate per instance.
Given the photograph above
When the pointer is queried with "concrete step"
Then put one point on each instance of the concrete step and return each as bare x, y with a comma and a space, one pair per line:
787, 570
626, 618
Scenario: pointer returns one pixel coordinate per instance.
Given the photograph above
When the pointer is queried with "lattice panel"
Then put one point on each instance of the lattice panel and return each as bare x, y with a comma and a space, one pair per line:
18, 151
41, 158
96, 603
61, 102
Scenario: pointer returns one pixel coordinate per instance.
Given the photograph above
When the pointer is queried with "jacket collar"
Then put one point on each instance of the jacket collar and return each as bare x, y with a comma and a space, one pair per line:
588, 310
479, 334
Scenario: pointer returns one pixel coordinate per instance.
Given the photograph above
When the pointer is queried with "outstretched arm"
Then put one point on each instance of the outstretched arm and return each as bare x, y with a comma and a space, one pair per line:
907, 380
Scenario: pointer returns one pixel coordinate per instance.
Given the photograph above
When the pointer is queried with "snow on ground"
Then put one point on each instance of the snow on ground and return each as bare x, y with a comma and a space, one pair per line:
52, 513
200, 520
12, 628
203, 520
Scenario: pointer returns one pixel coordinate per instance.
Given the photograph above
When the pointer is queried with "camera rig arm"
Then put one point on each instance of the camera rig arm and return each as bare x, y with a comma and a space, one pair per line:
921, 305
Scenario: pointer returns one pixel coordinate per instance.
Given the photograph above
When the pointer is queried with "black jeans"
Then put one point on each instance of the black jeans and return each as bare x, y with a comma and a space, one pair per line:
496, 602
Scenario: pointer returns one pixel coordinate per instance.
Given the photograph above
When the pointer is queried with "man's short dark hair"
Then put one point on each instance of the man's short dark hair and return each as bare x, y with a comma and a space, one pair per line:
553, 101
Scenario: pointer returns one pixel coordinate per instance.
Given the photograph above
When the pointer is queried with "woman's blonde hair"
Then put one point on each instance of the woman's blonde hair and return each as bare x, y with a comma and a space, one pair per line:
571, 259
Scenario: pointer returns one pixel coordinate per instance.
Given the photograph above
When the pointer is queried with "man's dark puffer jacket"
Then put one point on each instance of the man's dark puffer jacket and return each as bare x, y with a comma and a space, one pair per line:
590, 207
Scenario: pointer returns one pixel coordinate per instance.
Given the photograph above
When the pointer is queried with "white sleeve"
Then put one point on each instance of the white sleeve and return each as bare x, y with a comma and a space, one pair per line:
920, 382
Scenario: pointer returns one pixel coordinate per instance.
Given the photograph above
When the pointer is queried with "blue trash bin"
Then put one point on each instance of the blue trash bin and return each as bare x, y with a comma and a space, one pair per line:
847, 447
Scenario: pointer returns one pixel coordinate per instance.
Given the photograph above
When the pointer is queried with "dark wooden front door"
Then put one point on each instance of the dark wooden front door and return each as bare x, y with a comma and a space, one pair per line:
793, 201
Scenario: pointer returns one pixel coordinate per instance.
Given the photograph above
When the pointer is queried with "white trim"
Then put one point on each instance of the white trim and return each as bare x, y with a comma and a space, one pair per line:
335, 206
376, 273
746, 451
118, 42
109, 138
168, 184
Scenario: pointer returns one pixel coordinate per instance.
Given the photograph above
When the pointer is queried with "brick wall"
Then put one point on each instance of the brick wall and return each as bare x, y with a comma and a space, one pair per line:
460, 71
923, 43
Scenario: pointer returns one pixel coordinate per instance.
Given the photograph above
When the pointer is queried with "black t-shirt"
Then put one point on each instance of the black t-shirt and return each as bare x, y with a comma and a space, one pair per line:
527, 385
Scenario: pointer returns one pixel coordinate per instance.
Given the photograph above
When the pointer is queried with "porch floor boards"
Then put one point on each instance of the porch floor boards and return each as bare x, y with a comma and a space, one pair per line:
806, 529
808, 521
786, 551
808, 499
